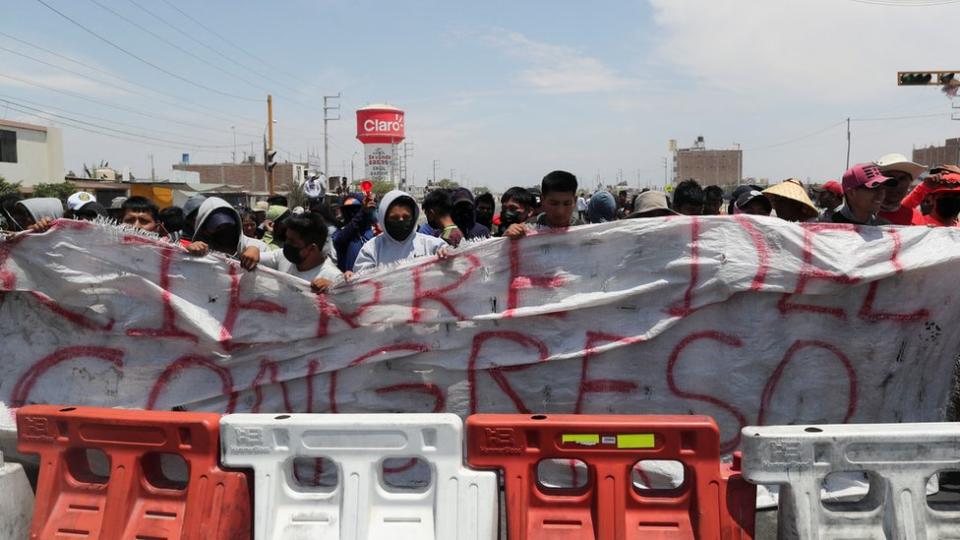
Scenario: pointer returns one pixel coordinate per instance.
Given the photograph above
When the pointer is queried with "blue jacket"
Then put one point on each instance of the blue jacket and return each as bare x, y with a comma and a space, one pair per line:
348, 240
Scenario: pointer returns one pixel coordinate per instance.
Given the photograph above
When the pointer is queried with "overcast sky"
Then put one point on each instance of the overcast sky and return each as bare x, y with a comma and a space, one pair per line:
502, 92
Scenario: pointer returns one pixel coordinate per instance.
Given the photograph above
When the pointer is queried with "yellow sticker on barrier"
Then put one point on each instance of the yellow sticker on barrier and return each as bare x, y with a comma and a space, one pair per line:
581, 438
641, 440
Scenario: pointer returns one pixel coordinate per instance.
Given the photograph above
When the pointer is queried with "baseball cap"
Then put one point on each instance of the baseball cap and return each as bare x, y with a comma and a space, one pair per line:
833, 187
79, 199
864, 174
752, 195
261, 206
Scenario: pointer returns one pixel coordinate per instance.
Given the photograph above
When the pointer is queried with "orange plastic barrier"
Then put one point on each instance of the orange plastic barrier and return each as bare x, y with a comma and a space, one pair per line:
714, 502
129, 475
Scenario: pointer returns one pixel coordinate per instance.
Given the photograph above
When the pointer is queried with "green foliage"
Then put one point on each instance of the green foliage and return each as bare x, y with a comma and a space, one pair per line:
446, 183
60, 191
480, 190
8, 187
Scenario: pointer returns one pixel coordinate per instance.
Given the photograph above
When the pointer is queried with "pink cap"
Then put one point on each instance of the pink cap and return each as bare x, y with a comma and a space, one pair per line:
864, 174
833, 187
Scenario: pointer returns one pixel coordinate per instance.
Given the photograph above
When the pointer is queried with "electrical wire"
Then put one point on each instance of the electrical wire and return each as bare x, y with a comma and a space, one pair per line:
115, 136
141, 59
174, 45
234, 45
192, 38
21, 106
44, 106
98, 81
797, 139
113, 106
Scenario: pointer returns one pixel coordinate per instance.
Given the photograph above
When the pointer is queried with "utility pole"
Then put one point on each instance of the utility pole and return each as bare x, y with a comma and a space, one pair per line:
327, 118
666, 176
435, 170
153, 171
848, 142
234, 130
451, 174
407, 152
270, 188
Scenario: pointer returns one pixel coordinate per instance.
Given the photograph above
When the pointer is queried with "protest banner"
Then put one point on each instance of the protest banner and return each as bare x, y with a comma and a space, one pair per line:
749, 320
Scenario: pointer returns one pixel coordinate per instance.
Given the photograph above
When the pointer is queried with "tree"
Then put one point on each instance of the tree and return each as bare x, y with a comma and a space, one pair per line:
8, 187
59, 191
447, 183
480, 190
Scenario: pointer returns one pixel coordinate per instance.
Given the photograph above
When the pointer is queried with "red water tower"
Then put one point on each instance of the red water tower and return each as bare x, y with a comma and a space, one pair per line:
380, 128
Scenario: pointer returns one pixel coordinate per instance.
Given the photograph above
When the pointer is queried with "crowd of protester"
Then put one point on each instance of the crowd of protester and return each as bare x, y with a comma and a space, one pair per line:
335, 237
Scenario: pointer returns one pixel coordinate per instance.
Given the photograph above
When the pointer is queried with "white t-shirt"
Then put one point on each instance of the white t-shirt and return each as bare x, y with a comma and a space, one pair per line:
328, 270
581, 204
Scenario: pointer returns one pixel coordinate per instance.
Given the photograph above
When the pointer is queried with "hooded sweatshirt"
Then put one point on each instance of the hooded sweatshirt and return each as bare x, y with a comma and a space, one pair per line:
386, 249
602, 207
207, 210
348, 241
467, 223
43, 207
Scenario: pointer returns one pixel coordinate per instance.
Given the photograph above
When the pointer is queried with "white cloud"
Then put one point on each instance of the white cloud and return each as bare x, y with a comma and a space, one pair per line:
557, 69
827, 51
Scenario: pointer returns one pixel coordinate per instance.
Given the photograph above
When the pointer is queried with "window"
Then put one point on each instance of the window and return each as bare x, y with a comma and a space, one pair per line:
8, 146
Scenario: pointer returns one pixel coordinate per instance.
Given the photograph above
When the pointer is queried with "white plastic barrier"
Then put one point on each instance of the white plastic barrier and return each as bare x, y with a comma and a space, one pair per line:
456, 503
898, 461
16, 502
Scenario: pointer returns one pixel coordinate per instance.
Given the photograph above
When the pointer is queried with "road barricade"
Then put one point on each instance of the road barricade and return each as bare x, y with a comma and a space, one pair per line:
16, 501
355, 458
712, 501
130, 474
897, 460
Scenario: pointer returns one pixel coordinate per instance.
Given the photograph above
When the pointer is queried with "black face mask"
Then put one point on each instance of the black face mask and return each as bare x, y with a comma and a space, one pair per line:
509, 217
485, 217
348, 212
293, 254
397, 229
948, 207
464, 217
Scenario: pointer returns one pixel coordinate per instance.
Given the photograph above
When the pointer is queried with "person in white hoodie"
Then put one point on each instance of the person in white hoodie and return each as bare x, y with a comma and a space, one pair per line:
399, 240
219, 228
37, 214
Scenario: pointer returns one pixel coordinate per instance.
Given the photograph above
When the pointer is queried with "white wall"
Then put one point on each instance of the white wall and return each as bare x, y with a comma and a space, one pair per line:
39, 157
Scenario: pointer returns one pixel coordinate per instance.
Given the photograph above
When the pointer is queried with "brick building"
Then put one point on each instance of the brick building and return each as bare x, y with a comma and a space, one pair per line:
250, 176
708, 167
948, 154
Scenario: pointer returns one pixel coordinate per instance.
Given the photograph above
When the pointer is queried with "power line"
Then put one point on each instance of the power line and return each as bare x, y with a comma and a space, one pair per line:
45, 106
174, 45
800, 138
232, 44
98, 81
120, 131
111, 105
140, 59
189, 36
88, 129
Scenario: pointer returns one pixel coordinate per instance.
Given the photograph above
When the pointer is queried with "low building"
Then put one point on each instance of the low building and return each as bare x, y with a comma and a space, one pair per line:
250, 176
948, 154
30, 154
708, 167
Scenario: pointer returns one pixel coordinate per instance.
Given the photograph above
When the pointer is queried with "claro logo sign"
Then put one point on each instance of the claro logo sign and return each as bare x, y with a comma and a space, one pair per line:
374, 125
380, 126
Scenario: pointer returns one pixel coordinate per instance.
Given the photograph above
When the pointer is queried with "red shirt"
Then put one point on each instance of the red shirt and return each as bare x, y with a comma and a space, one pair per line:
904, 216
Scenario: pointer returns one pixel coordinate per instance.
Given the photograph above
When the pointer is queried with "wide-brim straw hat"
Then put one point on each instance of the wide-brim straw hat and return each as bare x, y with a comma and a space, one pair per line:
793, 189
